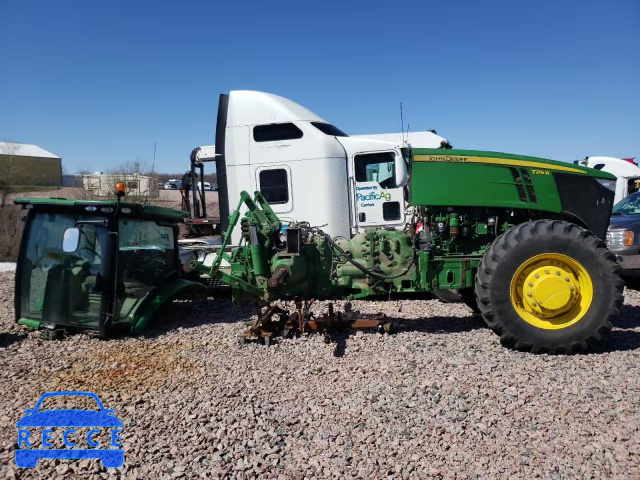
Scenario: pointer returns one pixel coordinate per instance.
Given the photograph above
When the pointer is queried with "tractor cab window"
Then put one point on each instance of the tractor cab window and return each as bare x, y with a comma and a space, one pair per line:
63, 269
146, 259
376, 167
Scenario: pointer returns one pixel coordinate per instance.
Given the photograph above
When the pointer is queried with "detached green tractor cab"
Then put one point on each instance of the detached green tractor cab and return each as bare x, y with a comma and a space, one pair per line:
100, 266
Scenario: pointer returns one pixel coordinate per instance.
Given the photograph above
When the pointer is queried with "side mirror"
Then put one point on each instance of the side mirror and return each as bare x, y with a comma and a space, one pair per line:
70, 240
402, 175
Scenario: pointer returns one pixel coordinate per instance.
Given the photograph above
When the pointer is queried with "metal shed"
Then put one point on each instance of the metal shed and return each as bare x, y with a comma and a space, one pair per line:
25, 164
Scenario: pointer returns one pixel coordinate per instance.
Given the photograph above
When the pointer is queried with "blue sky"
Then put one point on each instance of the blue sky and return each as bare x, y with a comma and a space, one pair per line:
99, 82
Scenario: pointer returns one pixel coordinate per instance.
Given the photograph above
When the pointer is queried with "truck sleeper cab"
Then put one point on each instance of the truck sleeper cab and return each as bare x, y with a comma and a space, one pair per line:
306, 168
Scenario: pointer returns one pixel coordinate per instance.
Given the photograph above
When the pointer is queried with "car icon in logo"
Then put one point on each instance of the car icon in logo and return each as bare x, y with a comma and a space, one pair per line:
69, 419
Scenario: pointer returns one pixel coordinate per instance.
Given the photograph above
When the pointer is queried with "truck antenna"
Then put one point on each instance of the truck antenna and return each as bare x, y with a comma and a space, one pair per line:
402, 122
153, 165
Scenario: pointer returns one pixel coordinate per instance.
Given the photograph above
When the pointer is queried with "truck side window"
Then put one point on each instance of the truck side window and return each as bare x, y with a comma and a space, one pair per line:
376, 167
391, 211
275, 132
274, 185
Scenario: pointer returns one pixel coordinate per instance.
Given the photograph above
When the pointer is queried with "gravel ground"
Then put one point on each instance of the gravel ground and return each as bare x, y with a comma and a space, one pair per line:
439, 399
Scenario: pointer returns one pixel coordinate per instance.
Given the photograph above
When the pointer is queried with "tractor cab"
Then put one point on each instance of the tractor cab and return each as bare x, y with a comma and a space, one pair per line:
96, 265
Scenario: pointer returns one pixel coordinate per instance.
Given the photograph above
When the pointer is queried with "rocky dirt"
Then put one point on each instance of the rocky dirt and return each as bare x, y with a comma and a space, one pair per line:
439, 399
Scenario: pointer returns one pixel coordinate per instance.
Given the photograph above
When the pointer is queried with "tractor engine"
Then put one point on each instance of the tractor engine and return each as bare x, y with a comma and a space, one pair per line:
307, 262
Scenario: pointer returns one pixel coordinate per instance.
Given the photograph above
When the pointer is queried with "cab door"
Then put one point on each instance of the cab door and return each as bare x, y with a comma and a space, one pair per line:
378, 199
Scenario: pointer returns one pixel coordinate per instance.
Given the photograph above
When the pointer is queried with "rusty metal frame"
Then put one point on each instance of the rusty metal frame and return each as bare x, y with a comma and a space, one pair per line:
274, 321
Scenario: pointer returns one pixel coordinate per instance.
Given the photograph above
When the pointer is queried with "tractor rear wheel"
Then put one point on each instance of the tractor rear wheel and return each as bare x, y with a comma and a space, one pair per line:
549, 286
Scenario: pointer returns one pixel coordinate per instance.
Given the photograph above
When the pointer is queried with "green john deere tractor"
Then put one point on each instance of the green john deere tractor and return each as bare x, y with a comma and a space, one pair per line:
519, 237
96, 265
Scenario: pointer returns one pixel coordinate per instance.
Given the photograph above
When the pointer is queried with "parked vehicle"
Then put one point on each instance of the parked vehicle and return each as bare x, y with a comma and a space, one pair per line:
625, 169
335, 217
623, 236
173, 184
207, 186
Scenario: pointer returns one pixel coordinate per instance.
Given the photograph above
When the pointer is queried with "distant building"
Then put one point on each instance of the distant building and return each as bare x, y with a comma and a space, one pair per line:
24, 164
103, 184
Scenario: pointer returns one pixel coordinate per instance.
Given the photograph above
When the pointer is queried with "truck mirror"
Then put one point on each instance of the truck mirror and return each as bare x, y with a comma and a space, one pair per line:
402, 176
70, 240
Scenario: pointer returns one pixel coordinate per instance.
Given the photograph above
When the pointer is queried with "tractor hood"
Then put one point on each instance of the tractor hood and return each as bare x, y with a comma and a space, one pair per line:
503, 180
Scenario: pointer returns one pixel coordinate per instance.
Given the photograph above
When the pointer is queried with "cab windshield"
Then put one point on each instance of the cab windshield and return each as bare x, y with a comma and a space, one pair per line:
628, 206
63, 269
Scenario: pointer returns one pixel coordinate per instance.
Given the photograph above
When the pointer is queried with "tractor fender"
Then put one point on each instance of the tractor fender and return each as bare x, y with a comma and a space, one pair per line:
145, 312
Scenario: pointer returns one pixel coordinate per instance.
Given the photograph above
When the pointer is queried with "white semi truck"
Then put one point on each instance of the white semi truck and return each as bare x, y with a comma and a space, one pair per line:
306, 168
628, 173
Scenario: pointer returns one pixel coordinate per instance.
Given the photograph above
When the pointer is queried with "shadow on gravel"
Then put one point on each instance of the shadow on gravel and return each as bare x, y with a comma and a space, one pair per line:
435, 325
439, 324
618, 341
632, 282
623, 337
340, 341
629, 317
7, 339
184, 314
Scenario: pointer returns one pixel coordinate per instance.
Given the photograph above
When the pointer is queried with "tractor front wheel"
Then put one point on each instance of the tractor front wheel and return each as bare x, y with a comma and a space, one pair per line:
549, 286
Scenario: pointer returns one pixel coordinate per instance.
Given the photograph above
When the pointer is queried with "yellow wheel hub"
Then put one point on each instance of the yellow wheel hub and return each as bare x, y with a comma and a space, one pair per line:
551, 291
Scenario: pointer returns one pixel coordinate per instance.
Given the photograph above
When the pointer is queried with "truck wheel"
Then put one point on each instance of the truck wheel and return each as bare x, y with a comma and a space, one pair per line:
549, 286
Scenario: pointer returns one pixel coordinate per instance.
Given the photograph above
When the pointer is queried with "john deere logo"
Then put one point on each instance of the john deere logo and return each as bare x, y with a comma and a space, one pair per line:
42, 433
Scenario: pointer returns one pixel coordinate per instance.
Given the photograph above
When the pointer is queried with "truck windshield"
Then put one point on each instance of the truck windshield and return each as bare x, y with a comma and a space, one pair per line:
628, 206
63, 270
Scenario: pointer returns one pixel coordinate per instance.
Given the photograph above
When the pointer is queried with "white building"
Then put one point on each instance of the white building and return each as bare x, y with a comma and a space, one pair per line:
103, 184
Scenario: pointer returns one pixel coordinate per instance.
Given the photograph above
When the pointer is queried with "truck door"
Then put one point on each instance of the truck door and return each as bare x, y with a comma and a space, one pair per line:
379, 200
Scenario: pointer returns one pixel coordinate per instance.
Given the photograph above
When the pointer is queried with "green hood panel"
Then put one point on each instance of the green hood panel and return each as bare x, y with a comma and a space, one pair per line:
490, 179
144, 313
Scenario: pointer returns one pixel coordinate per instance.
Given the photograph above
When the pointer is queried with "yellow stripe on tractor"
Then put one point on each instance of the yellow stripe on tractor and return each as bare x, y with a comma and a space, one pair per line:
494, 161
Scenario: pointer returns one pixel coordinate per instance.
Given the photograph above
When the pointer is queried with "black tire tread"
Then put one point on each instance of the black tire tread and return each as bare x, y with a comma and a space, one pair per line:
523, 233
